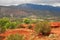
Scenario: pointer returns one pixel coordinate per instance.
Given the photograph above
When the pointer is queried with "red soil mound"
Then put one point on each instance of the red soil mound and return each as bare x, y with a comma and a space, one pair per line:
55, 24
22, 31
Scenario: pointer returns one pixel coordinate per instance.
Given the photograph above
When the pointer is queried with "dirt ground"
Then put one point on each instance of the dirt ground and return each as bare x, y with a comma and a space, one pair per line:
55, 35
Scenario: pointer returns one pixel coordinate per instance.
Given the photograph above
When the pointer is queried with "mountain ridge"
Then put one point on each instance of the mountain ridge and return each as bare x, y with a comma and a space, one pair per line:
32, 8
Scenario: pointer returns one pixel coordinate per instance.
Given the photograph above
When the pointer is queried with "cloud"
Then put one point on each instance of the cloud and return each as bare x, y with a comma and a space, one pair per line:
40, 2
47, 2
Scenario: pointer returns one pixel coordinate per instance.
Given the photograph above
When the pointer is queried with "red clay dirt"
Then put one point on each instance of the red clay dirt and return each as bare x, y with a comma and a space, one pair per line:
28, 32
55, 24
22, 31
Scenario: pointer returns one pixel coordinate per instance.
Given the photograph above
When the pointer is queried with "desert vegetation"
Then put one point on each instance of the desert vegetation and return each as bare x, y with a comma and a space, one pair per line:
26, 29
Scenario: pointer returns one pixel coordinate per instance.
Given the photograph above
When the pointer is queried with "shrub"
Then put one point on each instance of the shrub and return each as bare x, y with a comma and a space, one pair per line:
11, 25
2, 29
43, 27
30, 26
3, 22
26, 20
15, 37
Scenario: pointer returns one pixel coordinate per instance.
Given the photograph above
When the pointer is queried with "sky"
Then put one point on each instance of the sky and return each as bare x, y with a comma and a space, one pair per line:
40, 2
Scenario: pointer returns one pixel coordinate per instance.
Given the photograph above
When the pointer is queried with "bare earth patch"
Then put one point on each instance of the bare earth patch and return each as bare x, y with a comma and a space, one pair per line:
55, 34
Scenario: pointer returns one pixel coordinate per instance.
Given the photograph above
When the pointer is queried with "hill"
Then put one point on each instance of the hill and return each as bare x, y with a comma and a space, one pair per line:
25, 10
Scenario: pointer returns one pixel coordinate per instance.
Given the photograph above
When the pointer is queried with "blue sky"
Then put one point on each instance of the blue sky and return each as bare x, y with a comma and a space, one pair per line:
40, 2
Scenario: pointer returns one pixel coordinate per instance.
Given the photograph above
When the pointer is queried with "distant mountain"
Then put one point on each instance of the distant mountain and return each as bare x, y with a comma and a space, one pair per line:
39, 7
31, 9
